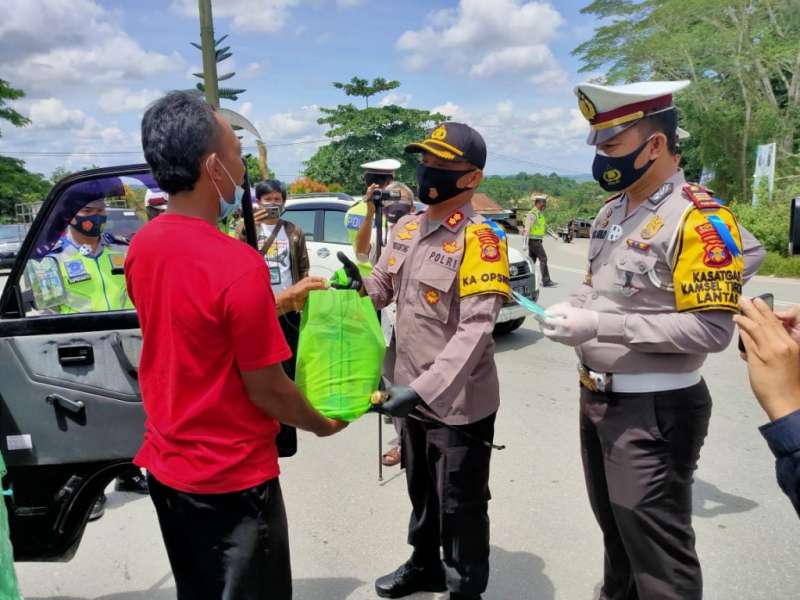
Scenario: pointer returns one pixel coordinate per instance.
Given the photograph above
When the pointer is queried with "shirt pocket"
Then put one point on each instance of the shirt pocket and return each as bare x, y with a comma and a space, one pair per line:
633, 271
435, 291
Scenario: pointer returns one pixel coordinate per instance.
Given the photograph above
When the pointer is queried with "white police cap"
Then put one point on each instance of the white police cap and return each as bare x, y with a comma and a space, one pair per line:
611, 109
385, 166
156, 199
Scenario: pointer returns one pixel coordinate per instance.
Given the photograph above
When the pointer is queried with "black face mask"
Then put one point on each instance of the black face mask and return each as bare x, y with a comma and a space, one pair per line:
438, 185
396, 211
617, 173
90, 226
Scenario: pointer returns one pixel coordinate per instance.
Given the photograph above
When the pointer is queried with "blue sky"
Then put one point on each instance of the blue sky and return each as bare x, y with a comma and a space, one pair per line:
90, 67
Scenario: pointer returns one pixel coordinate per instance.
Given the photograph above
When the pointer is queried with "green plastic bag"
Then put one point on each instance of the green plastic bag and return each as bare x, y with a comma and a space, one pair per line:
340, 353
8, 579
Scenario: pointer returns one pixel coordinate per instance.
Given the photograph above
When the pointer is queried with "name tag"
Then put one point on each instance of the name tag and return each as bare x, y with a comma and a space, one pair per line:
446, 260
599, 234
274, 275
117, 263
76, 271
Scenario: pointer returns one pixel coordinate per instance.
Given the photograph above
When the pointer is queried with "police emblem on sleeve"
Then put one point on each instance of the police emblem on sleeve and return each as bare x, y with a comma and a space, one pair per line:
490, 245
484, 268
706, 274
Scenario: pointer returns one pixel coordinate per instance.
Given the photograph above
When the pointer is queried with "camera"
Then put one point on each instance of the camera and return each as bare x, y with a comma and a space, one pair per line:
380, 196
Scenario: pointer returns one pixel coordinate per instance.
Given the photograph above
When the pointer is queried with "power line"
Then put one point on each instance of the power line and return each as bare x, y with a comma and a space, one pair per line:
536, 164
139, 152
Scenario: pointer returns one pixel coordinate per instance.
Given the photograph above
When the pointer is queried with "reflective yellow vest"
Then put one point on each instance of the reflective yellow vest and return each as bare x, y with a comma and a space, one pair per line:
537, 225
72, 280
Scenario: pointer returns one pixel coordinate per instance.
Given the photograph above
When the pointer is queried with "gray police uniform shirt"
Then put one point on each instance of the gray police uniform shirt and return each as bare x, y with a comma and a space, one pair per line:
630, 284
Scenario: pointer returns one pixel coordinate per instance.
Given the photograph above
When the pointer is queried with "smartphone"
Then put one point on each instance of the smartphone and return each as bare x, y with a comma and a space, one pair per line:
770, 300
273, 211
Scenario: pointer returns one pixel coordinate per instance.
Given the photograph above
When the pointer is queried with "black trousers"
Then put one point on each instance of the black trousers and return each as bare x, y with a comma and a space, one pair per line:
536, 252
639, 455
290, 325
226, 546
448, 482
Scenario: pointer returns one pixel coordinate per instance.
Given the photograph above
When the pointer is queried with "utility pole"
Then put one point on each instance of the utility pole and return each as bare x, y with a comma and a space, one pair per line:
209, 53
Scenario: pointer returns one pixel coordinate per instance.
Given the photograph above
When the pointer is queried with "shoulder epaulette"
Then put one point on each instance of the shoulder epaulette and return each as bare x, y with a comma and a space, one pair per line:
57, 247
700, 196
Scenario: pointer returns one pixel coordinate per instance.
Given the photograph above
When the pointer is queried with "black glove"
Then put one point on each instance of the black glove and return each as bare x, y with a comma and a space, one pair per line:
400, 400
352, 276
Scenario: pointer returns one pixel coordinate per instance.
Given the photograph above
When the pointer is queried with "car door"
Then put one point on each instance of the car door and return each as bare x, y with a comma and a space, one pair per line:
335, 239
71, 417
309, 218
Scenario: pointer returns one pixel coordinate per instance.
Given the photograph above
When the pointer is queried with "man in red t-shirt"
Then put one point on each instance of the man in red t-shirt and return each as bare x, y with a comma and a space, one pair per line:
212, 383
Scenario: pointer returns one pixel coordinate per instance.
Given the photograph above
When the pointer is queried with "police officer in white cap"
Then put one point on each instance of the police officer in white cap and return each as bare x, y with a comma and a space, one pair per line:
666, 267
359, 219
155, 203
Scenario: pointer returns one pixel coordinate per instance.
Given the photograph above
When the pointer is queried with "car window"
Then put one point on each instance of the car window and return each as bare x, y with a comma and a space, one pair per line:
13, 233
335, 231
304, 219
76, 262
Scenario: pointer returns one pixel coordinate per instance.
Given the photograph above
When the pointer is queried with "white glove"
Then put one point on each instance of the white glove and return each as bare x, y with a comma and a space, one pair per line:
570, 325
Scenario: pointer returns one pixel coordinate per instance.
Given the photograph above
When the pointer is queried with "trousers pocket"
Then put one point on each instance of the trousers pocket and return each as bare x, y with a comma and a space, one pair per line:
466, 478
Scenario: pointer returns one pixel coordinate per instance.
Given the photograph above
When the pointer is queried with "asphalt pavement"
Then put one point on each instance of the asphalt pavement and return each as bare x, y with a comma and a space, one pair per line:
347, 528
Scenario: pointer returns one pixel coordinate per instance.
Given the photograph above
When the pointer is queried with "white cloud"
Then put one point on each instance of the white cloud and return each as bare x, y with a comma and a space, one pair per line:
514, 59
452, 110
51, 113
294, 125
263, 16
246, 110
51, 43
252, 70
495, 38
120, 100
396, 98
552, 79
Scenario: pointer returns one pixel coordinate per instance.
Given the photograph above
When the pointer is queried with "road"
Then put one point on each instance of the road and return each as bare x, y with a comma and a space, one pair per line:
347, 528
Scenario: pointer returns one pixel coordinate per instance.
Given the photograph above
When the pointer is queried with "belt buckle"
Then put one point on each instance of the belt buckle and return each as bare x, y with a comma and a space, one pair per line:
593, 381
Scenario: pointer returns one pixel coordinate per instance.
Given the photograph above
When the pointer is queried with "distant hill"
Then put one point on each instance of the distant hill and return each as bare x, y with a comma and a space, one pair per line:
575, 196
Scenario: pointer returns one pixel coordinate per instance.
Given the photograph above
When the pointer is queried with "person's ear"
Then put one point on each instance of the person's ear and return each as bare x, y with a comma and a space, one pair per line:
471, 180
658, 145
211, 166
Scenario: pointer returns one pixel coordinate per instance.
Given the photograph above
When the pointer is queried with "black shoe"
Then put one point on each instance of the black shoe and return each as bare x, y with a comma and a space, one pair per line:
99, 508
549, 284
409, 579
455, 596
136, 484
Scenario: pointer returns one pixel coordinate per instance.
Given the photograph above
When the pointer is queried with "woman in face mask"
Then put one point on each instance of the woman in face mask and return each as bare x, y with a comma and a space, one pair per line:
283, 245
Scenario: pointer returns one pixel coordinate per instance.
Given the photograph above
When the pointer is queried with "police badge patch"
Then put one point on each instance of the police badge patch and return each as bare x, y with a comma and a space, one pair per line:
76, 271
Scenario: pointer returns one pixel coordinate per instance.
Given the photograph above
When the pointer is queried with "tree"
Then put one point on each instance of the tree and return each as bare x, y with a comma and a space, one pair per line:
743, 58
363, 89
18, 185
220, 55
6, 112
363, 135
306, 185
254, 171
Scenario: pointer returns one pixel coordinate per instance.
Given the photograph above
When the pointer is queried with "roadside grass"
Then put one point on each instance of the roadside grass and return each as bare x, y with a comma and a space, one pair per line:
780, 266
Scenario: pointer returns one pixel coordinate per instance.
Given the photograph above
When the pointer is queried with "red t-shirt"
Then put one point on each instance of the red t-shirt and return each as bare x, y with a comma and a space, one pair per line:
207, 312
